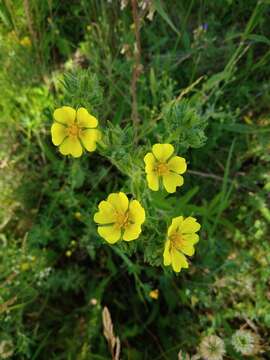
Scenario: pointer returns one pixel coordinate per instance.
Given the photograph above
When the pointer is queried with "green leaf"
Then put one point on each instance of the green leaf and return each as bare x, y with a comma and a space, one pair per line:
259, 38
245, 129
160, 9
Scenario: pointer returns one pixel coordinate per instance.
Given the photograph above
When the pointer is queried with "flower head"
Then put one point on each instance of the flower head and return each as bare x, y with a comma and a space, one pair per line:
160, 164
25, 41
154, 294
119, 218
212, 348
6, 349
72, 130
180, 240
245, 342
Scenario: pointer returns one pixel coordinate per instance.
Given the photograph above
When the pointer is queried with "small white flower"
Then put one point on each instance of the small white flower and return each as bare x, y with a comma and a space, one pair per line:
124, 4
6, 349
245, 342
212, 348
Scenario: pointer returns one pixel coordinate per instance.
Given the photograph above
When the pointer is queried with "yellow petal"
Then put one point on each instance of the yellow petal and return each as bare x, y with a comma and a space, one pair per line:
191, 238
65, 115
59, 132
136, 212
150, 162
72, 146
152, 180
176, 223
110, 233
171, 181
166, 254
187, 248
132, 232
106, 213
178, 260
119, 201
162, 152
190, 225
84, 119
177, 164
89, 137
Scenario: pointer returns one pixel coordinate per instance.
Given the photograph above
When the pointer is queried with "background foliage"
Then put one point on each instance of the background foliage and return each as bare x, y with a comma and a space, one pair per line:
204, 86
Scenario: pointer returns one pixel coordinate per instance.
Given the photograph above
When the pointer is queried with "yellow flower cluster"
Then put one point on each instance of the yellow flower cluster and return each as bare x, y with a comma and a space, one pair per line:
119, 218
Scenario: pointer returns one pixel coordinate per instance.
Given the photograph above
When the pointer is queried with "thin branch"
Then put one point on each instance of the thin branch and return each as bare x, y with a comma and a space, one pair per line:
29, 19
137, 68
206, 175
219, 178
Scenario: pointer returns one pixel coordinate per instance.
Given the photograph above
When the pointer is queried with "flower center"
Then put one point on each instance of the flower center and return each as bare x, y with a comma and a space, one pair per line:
162, 169
177, 240
73, 130
122, 220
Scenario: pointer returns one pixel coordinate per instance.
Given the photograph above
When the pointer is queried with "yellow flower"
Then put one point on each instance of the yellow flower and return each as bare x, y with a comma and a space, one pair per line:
73, 130
161, 164
78, 215
25, 41
25, 266
180, 240
119, 218
154, 294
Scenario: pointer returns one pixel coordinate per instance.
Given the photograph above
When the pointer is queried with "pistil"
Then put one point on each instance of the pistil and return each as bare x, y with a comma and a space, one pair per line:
177, 240
73, 130
162, 169
122, 220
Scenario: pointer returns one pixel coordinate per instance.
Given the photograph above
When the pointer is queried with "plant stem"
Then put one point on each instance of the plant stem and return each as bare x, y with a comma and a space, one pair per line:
137, 68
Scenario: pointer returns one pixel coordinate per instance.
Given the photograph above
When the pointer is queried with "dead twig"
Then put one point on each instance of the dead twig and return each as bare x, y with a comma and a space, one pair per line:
29, 19
4, 307
137, 68
206, 175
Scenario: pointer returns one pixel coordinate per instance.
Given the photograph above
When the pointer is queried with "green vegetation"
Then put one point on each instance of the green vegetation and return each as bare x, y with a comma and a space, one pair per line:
191, 73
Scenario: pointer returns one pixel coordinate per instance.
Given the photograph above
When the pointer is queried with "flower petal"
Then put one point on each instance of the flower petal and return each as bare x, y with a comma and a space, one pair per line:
106, 213
84, 119
153, 181
187, 248
110, 233
162, 152
59, 132
166, 254
119, 201
136, 212
178, 260
190, 225
177, 164
171, 181
176, 223
89, 137
191, 238
150, 162
132, 232
71, 145
65, 115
